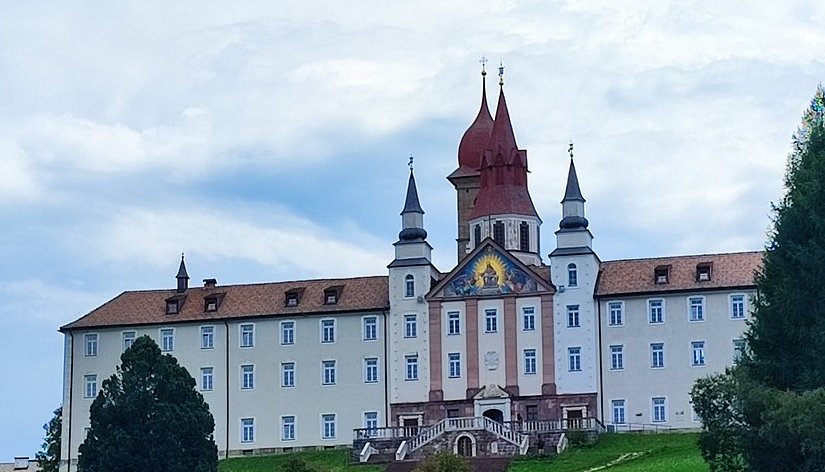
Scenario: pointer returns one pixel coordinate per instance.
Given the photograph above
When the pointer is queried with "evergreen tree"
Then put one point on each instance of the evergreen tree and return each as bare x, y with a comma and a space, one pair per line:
782, 386
49, 456
149, 417
788, 324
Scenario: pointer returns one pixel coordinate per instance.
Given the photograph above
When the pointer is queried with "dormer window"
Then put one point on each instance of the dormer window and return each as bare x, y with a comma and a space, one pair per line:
210, 304
331, 295
703, 271
172, 307
292, 297
661, 275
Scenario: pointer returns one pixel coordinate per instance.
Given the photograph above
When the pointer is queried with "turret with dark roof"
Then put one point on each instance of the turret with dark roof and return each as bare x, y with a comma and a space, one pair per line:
183, 277
573, 202
412, 216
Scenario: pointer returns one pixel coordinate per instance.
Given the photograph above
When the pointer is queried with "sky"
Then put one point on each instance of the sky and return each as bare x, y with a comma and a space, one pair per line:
269, 140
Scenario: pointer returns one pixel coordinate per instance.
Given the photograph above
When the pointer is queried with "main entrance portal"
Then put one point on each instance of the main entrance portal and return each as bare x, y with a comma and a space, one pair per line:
494, 414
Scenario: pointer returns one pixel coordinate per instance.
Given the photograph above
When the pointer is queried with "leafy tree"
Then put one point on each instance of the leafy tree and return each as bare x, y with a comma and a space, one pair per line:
443, 461
715, 400
49, 456
149, 417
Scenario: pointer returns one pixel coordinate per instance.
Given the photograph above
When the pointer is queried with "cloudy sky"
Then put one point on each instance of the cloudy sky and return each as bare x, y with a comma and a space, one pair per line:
269, 140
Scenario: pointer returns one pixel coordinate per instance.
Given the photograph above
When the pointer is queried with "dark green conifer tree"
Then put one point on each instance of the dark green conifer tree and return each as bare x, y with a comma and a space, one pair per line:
149, 417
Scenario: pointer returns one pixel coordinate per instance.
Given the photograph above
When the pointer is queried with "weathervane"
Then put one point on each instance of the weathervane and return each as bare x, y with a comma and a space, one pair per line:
483, 62
501, 73
411, 162
570, 149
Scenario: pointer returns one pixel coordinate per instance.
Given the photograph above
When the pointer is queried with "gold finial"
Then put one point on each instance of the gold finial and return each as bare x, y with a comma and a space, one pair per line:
570, 149
501, 73
483, 62
411, 162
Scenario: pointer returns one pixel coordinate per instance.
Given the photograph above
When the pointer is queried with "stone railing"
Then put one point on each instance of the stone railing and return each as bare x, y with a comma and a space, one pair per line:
402, 451
638, 428
390, 432
562, 444
501, 430
556, 426
366, 452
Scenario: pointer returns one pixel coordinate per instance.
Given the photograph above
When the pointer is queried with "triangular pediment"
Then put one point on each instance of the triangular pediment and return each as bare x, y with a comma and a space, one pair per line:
490, 271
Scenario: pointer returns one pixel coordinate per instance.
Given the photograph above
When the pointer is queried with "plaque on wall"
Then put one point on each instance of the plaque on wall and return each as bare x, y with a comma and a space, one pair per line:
491, 360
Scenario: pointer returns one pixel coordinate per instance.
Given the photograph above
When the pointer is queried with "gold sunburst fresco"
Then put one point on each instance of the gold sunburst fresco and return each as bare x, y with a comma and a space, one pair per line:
490, 273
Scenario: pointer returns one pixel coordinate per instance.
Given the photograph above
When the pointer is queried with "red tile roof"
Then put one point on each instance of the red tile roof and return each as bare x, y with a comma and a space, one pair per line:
238, 301
636, 275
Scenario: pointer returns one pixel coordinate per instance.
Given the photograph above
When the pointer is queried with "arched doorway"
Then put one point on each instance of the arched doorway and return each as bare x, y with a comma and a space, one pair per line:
464, 446
494, 414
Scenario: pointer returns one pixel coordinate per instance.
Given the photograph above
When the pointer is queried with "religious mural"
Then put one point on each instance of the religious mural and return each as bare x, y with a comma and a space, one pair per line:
490, 273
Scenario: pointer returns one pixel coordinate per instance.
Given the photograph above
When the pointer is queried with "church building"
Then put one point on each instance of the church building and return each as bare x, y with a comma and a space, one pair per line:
502, 353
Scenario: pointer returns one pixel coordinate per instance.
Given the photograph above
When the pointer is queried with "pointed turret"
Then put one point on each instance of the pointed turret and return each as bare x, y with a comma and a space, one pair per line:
412, 216
466, 177
573, 202
183, 277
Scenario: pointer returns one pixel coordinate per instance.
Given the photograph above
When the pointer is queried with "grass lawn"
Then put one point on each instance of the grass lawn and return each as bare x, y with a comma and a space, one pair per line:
627, 453
322, 461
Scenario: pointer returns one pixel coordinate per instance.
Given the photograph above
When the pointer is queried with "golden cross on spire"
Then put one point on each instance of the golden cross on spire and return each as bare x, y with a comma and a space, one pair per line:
483, 62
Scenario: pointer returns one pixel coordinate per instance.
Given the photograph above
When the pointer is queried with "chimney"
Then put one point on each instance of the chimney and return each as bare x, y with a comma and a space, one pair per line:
210, 283
21, 463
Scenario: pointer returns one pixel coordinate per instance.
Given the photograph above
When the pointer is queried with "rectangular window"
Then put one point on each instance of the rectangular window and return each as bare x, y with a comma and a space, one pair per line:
616, 357
91, 345
659, 410
453, 322
618, 411
616, 310
371, 370
528, 318
128, 339
207, 337
411, 372
410, 326
574, 359
167, 339
498, 232
454, 359
207, 378
524, 236
737, 306
327, 331
287, 428
491, 320
328, 377
573, 316
247, 335
288, 374
532, 413
698, 349
656, 311
657, 355
697, 308
738, 349
287, 333
370, 328
247, 377
90, 390
328, 431
371, 422
529, 361
247, 430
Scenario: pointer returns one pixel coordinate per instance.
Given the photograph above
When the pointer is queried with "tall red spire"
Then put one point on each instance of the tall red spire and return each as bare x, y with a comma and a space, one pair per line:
503, 171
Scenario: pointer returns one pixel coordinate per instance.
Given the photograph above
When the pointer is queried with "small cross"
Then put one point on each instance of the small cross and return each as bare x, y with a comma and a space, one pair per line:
501, 73
570, 149
483, 62
411, 161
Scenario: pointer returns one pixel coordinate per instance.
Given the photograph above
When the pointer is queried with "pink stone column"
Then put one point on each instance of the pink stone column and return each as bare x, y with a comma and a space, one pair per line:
510, 345
436, 392
548, 364
471, 337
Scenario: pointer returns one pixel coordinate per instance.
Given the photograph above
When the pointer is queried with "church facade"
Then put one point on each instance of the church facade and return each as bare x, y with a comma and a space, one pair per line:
503, 338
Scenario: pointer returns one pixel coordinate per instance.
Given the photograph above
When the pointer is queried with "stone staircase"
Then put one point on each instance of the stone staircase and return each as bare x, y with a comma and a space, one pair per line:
519, 442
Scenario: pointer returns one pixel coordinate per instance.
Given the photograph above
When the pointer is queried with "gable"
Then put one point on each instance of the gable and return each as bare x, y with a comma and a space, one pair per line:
489, 271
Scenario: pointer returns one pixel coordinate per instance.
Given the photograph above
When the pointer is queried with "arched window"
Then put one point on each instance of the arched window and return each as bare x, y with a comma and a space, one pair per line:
409, 286
572, 275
